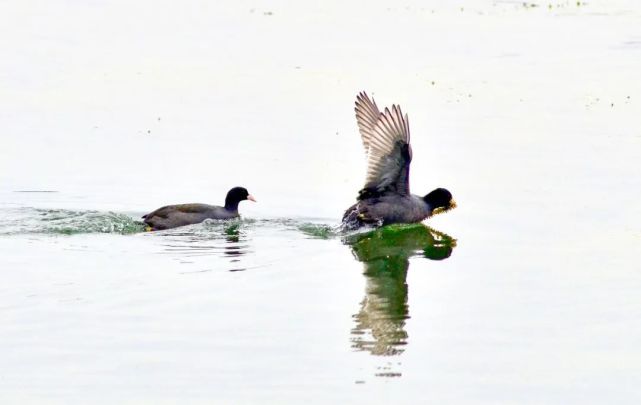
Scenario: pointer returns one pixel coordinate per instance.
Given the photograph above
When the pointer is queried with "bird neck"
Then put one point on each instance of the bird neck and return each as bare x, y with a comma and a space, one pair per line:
231, 204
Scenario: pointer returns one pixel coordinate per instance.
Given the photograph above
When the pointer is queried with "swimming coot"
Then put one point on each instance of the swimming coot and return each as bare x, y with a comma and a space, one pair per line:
172, 216
385, 198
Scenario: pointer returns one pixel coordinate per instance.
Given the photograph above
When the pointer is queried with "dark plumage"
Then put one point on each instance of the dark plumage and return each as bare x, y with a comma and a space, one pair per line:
385, 198
172, 216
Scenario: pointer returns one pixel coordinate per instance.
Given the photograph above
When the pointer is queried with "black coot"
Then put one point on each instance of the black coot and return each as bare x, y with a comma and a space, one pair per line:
172, 216
385, 198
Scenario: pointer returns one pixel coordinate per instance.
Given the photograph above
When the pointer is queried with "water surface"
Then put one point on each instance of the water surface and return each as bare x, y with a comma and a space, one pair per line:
527, 293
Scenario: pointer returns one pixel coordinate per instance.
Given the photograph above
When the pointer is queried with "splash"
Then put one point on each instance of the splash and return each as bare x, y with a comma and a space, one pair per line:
66, 222
318, 231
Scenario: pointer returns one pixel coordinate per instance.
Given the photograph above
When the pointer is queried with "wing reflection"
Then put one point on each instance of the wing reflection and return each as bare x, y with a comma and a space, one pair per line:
385, 252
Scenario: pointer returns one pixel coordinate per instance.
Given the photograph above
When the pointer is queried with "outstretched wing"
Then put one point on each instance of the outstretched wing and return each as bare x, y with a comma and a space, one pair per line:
386, 139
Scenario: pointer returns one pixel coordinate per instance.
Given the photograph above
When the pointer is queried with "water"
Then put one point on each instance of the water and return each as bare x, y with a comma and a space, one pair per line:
525, 293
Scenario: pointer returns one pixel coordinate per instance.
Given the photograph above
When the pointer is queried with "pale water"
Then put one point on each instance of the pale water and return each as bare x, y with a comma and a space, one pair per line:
527, 293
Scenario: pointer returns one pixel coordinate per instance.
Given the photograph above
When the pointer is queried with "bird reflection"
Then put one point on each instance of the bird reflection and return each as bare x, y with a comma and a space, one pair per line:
233, 237
212, 238
385, 253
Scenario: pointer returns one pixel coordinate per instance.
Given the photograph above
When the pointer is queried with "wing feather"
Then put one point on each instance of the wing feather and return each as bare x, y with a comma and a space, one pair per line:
367, 115
386, 139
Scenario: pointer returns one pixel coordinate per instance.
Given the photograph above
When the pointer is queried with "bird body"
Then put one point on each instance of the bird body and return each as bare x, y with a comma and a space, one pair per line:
387, 209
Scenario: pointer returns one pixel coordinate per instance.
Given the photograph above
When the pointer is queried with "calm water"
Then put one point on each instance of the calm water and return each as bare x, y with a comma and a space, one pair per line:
527, 293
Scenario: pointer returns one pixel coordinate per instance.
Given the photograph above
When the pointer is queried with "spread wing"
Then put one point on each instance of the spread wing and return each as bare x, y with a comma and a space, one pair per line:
386, 139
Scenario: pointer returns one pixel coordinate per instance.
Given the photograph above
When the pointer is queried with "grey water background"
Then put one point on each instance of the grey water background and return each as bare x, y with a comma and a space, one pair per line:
528, 292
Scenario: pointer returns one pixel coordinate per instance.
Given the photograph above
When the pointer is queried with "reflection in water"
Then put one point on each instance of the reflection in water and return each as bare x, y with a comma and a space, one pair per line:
385, 253
212, 238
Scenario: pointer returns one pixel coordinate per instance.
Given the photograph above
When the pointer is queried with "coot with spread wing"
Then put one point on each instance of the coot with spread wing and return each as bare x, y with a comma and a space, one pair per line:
385, 198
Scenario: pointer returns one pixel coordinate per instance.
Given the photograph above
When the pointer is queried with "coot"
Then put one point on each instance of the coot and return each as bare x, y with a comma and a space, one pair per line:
172, 216
385, 198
